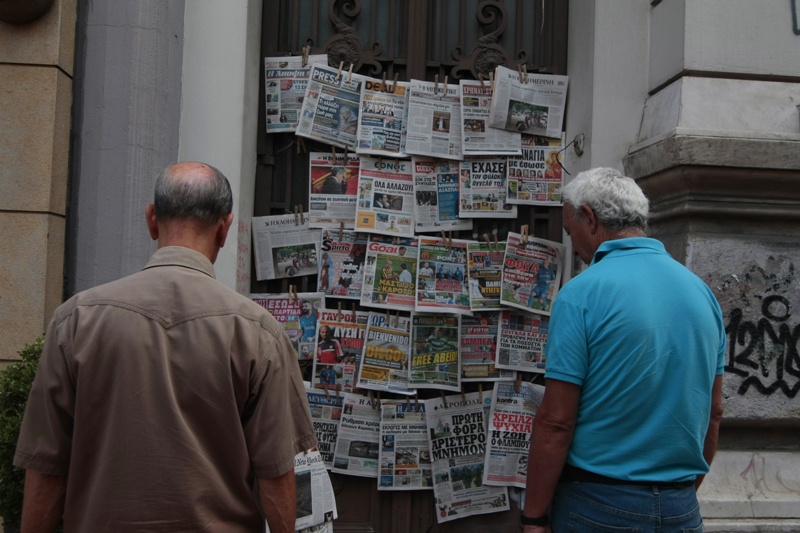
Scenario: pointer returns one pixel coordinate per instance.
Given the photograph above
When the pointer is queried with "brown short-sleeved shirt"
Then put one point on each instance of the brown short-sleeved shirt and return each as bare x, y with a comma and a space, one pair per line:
160, 395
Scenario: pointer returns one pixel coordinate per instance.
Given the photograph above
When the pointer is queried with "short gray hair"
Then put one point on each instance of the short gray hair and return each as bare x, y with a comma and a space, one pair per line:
617, 201
204, 200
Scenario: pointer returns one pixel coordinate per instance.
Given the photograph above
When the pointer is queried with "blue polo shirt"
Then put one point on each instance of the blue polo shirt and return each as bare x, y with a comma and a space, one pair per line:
644, 338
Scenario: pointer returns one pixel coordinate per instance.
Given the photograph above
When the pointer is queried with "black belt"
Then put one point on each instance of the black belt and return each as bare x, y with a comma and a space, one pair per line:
573, 473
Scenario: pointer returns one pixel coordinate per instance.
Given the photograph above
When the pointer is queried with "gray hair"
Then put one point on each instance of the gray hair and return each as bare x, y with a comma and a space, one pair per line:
617, 201
205, 200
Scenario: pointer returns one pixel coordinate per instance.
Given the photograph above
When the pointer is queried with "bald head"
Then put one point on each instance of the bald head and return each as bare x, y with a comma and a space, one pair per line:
192, 191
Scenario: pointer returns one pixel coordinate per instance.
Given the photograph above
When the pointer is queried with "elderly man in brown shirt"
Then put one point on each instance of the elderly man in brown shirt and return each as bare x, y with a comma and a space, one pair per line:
163, 399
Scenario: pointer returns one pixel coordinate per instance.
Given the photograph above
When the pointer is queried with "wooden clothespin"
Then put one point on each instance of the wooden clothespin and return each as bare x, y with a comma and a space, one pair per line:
480, 392
444, 238
325, 388
388, 316
341, 229
296, 215
339, 312
480, 78
463, 396
306, 51
302, 215
345, 154
408, 403
397, 318
394, 83
353, 307
350, 73
525, 73
488, 242
416, 402
444, 399
383, 82
496, 243
301, 146
339, 73
337, 392
450, 238
523, 238
491, 80
292, 294
436, 87
518, 382
444, 85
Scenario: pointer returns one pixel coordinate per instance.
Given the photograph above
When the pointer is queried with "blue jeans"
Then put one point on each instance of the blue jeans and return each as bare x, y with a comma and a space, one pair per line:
581, 507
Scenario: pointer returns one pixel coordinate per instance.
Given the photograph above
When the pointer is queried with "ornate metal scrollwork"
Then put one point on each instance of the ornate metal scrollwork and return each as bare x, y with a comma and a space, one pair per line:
345, 45
487, 52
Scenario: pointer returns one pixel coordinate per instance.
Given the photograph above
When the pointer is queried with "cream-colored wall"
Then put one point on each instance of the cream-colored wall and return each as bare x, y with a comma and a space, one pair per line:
36, 62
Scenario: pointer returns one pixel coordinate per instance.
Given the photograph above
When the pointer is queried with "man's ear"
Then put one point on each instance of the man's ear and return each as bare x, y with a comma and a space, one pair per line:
223, 228
591, 218
152, 223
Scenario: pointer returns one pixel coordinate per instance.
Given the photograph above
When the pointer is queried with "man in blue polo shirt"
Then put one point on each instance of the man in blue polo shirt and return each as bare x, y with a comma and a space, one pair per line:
630, 418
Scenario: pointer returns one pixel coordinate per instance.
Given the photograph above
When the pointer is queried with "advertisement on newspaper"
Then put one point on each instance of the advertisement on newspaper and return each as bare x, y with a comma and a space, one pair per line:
385, 197
536, 177
485, 272
285, 82
326, 411
523, 337
340, 341
434, 352
531, 273
436, 196
442, 276
316, 502
387, 347
358, 442
285, 246
333, 190
381, 123
298, 314
478, 137
405, 455
434, 120
341, 267
483, 190
389, 274
478, 342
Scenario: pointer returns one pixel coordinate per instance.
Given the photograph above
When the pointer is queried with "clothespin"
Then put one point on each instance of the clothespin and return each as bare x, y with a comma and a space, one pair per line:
339, 73
444, 86
339, 312
345, 154
519, 71
436, 87
371, 399
491, 80
383, 82
416, 401
333, 151
337, 392
450, 237
325, 388
292, 293
397, 318
389, 316
394, 83
496, 244
350, 73
488, 242
480, 78
296, 215
341, 229
524, 234
463, 396
354, 308
444, 238
525, 72
306, 51
444, 399
518, 382
408, 403
480, 392
302, 216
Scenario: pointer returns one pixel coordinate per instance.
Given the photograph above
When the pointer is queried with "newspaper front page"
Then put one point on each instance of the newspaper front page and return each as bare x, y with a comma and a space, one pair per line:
340, 341
390, 272
434, 120
478, 137
509, 439
385, 197
316, 502
534, 105
523, 337
536, 177
442, 276
478, 340
358, 442
485, 272
405, 454
285, 81
326, 411
298, 315
384, 366
333, 190
382, 121
531, 273
285, 246
436, 196
341, 267
457, 428
434, 352
483, 190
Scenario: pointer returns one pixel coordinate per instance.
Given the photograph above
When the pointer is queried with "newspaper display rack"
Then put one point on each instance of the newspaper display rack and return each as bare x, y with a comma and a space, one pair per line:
482, 188
536, 177
478, 137
442, 276
358, 441
436, 196
326, 412
333, 190
478, 341
434, 352
340, 342
434, 120
531, 273
385, 197
405, 454
285, 246
382, 120
389, 273
521, 342
387, 347
341, 266
298, 314
285, 82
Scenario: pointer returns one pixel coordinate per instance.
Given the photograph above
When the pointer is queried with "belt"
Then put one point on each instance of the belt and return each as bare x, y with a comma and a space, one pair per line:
573, 473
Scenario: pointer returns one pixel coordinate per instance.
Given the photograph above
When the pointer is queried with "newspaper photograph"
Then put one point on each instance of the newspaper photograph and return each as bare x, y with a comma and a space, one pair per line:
478, 137
326, 411
298, 315
358, 442
434, 352
382, 121
478, 345
533, 105
509, 438
333, 190
521, 342
390, 273
531, 273
385, 197
285, 246
316, 502
405, 454
330, 107
536, 177
387, 347
341, 266
482, 188
436, 196
285, 81
434, 120
340, 341
442, 276
457, 428
485, 272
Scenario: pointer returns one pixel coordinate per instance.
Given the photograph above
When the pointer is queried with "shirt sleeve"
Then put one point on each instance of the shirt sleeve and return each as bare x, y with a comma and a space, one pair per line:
567, 350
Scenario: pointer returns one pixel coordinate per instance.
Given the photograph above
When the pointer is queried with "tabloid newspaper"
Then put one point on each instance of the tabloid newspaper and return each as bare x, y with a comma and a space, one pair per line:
457, 429
388, 284
326, 411
434, 352
316, 502
436, 196
330, 107
333, 190
482, 188
285, 80
359, 437
385, 197
478, 341
485, 272
536, 177
284, 246
405, 454
442, 276
382, 121
340, 341
478, 137
341, 266
531, 273
434, 120
523, 337
509, 438
387, 347
298, 314
534, 105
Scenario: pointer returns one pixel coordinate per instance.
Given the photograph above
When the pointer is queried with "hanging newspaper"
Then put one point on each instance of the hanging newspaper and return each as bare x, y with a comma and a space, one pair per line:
523, 337
457, 428
340, 341
359, 436
333, 190
298, 315
341, 267
485, 272
434, 352
534, 105
436, 196
434, 120
479, 138
285, 81
326, 527
389, 273
442, 276
385, 197
316, 502
384, 366
284, 246
382, 121
536, 177
405, 454
483, 190
330, 107
531, 273
509, 438
326, 411
478, 342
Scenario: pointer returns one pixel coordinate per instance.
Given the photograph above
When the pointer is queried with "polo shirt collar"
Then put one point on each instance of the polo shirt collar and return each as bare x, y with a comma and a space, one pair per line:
630, 243
183, 257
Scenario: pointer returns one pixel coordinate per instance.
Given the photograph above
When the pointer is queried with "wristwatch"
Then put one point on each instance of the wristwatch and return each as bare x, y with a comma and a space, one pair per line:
540, 521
